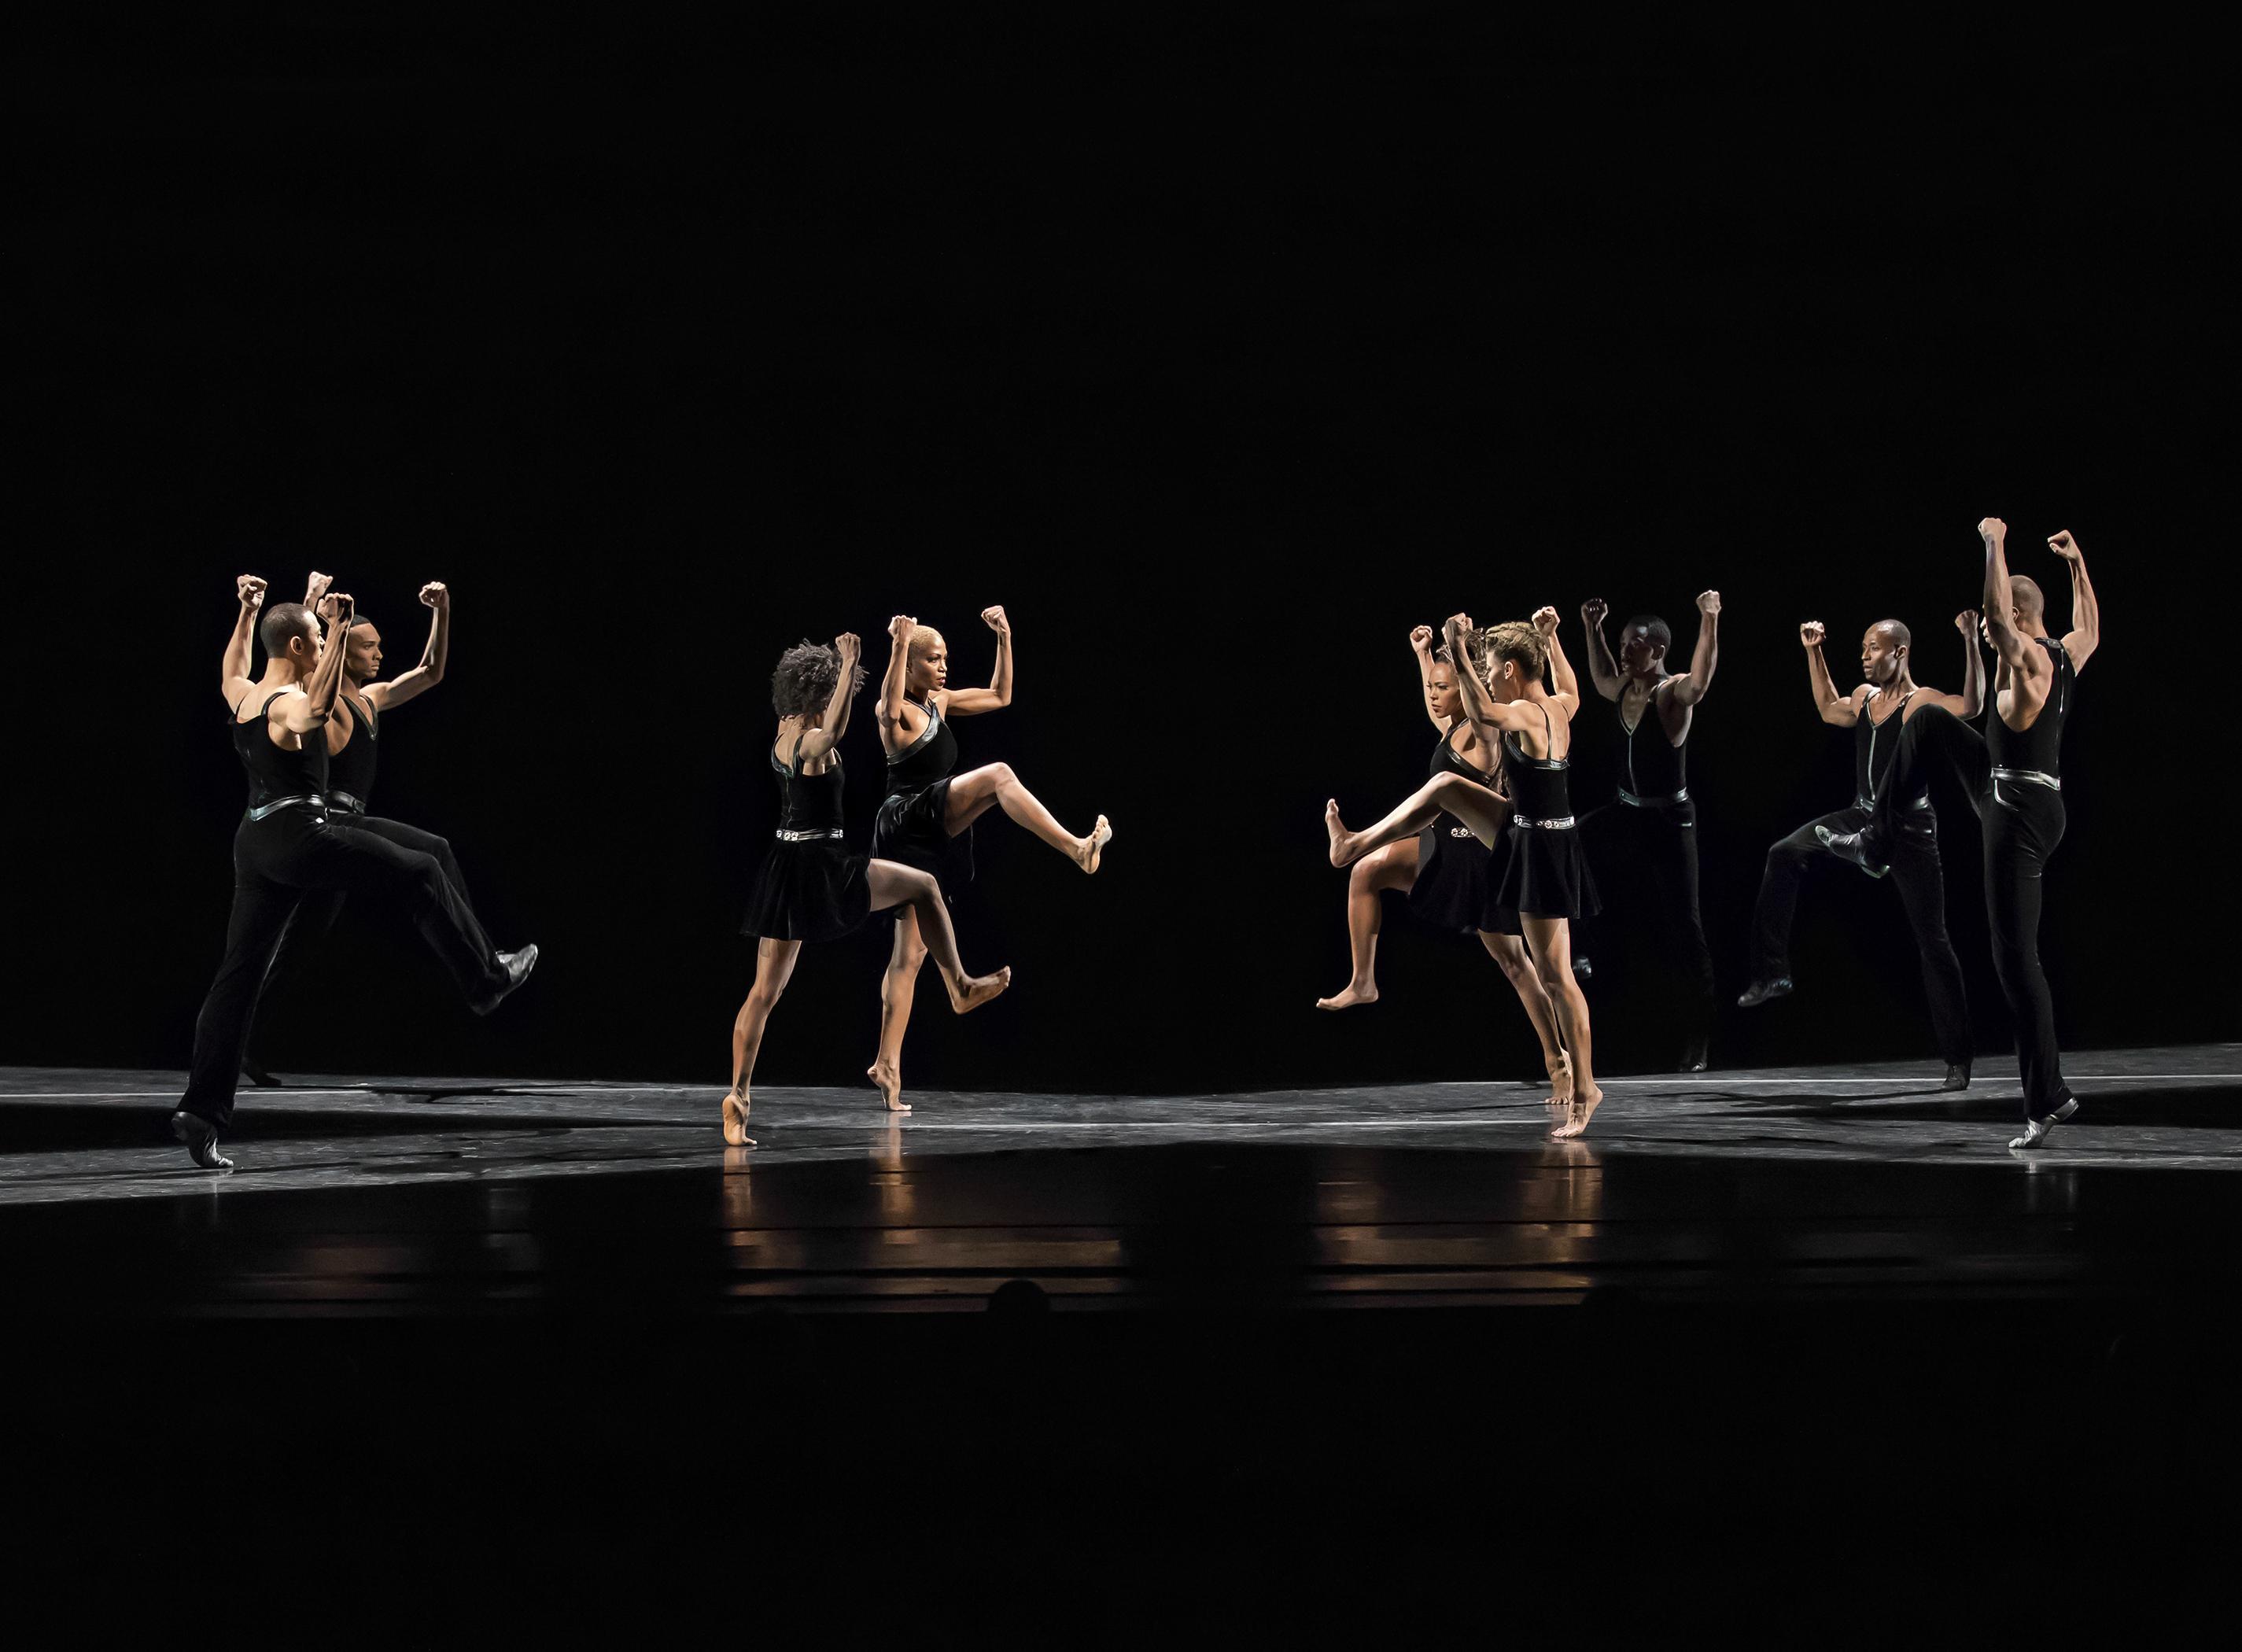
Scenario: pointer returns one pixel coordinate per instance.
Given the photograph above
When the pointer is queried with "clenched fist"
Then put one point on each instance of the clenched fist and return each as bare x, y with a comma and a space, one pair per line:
1992, 530
2062, 545
1420, 639
1545, 620
900, 627
251, 590
1593, 612
437, 595
995, 619
848, 645
1966, 623
1708, 601
1810, 634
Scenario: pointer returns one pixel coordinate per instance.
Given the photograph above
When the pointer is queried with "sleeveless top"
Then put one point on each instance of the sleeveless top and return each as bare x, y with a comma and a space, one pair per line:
927, 759
1540, 789
2037, 749
273, 773
1446, 759
1655, 765
807, 803
1875, 746
351, 770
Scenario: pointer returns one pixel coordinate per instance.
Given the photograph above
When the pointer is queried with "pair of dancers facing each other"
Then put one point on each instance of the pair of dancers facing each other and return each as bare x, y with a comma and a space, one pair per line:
1489, 842
811, 888
305, 733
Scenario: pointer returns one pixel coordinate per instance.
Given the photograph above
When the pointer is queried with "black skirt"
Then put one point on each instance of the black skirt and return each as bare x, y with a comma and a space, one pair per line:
1546, 875
1455, 883
813, 891
908, 830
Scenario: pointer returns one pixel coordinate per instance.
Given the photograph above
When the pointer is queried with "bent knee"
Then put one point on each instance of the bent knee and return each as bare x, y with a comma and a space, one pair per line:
1001, 774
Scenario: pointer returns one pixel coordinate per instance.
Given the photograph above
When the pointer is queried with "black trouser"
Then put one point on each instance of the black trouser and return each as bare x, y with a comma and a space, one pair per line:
2022, 822
317, 909
279, 860
1661, 838
1922, 884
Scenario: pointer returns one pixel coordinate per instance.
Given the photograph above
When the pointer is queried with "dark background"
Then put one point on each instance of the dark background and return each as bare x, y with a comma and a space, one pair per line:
1222, 350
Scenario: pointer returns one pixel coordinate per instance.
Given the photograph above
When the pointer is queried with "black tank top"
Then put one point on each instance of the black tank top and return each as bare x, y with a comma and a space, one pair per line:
1874, 745
2040, 746
927, 759
274, 774
1655, 766
351, 770
1540, 790
807, 803
1446, 762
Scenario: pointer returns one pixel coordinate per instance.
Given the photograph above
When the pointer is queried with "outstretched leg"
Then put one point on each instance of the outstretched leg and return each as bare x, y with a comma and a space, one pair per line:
1393, 867
1509, 955
773, 966
971, 793
1485, 811
898, 987
1552, 941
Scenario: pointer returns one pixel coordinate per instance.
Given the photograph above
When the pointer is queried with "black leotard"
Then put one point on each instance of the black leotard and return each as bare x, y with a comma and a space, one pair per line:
1654, 768
809, 887
1546, 874
1875, 744
350, 771
912, 826
274, 772
1454, 886
2038, 749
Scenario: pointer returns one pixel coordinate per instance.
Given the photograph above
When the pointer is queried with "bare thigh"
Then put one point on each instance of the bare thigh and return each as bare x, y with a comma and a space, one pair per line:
1392, 867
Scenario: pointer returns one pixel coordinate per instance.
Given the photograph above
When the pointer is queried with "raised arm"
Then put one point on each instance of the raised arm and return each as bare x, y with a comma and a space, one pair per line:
1479, 707
411, 685
233, 669
2085, 634
1689, 688
2000, 603
1603, 670
1420, 644
1833, 707
1561, 669
821, 740
888, 714
308, 712
1971, 700
965, 702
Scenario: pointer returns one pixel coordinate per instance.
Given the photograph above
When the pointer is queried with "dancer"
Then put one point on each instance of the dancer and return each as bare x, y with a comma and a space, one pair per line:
1448, 874
1878, 712
352, 736
810, 888
1544, 877
1652, 824
291, 844
2013, 775
927, 818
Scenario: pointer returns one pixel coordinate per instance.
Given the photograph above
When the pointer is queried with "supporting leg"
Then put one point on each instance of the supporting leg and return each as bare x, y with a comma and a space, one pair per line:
2021, 830
1510, 956
261, 908
1921, 883
1672, 852
774, 962
1393, 867
898, 987
1551, 943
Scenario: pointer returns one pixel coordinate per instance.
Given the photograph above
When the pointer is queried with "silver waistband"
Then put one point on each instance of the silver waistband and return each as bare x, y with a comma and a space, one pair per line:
820, 836
345, 801
1561, 825
1868, 805
312, 800
2051, 781
1633, 801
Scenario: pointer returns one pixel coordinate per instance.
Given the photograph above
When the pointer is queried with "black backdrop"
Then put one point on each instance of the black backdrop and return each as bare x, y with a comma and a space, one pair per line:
1222, 349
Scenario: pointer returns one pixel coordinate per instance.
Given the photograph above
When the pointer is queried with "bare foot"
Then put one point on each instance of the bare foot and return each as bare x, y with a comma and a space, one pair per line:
1561, 1082
1347, 996
1342, 841
979, 989
891, 1086
736, 1120
1093, 847
1583, 1108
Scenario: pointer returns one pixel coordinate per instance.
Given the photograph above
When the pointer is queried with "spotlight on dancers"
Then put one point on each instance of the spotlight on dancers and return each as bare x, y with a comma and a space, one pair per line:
1887, 701
293, 842
809, 887
2013, 775
927, 818
1544, 877
1447, 875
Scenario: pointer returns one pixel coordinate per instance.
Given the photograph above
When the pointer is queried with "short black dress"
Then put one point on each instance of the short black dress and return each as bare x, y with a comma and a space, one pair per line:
1545, 874
1455, 883
910, 828
809, 887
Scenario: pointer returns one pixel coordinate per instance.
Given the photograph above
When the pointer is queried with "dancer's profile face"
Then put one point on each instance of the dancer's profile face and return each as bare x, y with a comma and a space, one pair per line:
362, 664
1880, 660
931, 668
1441, 695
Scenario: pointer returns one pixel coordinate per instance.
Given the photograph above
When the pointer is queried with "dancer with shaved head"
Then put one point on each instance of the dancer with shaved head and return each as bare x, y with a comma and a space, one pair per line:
1876, 712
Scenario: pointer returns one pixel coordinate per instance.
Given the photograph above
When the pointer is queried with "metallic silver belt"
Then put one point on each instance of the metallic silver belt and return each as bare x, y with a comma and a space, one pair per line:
311, 800
345, 801
1868, 805
809, 837
1633, 801
1564, 825
2051, 781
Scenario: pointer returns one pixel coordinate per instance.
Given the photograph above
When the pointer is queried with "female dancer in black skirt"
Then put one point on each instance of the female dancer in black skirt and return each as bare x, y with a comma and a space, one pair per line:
927, 819
1544, 878
810, 887
1449, 874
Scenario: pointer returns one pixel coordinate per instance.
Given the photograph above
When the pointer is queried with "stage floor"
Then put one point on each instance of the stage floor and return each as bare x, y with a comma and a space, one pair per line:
398, 1197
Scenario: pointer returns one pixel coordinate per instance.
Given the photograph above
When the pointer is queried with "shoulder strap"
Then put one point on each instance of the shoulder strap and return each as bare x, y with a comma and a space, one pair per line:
270, 698
1549, 735
794, 757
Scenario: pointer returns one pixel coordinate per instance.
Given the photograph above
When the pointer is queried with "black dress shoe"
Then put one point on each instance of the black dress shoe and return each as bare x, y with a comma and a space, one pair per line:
201, 1138
1855, 849
1761, 993
1958, 1076
2036, 1129
517, 966
256, 1074
1695, 1055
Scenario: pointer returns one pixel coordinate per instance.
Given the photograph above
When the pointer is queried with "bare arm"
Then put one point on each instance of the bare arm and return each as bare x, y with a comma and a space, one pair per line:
411, 685
1479, 707
302, 714
2085, 634
233, 669
1968, 703
889, 712
967, 701
1833, 707
1689, 689
1420, 644
1561, 669
817, 742
2000, 602
1603, 670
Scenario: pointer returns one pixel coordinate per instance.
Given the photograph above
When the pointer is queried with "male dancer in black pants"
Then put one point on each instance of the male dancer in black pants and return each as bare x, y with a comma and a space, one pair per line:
2013, 775
1654, 823
1876, 712
353, 742
289, 843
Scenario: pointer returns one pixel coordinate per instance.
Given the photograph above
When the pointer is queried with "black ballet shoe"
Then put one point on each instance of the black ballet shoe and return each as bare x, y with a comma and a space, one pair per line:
517, 966
1697, 1055
257, 1075
1765, 992
201, 1138
1958, 1076
1584, 969
1856, 848
2037, 1130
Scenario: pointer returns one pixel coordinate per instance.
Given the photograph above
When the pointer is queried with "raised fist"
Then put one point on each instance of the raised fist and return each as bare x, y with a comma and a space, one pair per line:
1966, 623
1459, 624
437, 595
2062, 545
1545, 620
1420, 638
900, 627
1810, 634
334, 606
848, 645
1708, 601
251, 590
317, 589
1992, 530
995, 619
1593, 612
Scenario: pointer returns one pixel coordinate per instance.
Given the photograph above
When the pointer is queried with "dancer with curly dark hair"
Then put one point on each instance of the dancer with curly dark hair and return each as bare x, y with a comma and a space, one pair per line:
810, 888
927, 819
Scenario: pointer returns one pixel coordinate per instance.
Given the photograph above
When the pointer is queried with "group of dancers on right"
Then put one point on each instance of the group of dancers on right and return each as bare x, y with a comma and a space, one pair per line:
1489, 843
